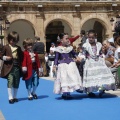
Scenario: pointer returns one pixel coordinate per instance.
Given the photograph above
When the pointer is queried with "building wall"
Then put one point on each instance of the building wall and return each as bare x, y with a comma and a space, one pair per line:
24, 29
75, 18
75, 23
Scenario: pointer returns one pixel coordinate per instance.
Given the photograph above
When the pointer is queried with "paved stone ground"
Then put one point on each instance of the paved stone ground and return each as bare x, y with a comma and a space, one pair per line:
48, 78
1, 116
117, 93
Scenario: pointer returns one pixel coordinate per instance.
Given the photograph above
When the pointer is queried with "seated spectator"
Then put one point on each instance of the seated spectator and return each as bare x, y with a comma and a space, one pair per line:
117, 52
111, 40
115, 68
104, 51
109, 53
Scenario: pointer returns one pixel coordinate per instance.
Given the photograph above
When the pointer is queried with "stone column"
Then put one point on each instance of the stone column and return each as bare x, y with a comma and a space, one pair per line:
40, 27
76, 30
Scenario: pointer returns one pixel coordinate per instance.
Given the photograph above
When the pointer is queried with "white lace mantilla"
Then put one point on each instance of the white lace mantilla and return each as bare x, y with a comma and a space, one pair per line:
62, 49
88, 47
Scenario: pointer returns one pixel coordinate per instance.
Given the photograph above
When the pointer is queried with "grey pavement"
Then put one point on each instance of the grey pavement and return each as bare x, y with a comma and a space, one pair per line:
1, 116
48, 78
116, 92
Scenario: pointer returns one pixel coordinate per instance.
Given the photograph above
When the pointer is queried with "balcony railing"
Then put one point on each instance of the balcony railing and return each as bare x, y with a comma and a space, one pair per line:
58, 0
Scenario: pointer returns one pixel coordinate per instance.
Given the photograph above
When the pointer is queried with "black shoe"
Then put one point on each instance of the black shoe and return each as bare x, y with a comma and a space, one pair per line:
67, 96
11, 101
64, 96
79, 91
91, 94
34, 96
30, 98
101, 93
15, 100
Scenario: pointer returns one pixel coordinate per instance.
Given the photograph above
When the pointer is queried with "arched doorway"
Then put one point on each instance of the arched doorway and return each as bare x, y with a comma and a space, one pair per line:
97, 26
24, 28
53, 29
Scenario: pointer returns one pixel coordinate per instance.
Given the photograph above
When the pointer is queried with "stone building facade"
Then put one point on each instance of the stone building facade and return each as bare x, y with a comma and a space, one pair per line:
47, 18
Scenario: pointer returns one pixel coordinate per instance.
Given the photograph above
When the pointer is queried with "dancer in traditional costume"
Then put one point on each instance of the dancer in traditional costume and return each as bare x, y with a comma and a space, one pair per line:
97, 76
68, 78
12, 57
31, 69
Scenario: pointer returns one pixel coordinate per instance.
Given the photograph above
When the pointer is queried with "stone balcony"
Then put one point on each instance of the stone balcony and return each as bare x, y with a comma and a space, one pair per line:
59, 5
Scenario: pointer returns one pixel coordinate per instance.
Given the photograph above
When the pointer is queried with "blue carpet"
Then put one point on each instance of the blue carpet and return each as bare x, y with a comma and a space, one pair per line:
49, 106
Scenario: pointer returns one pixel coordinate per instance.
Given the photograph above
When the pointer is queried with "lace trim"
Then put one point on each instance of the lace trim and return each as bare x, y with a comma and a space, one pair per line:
98, 81
88, 47
62, 49
96, 68
98, 88
67, 89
